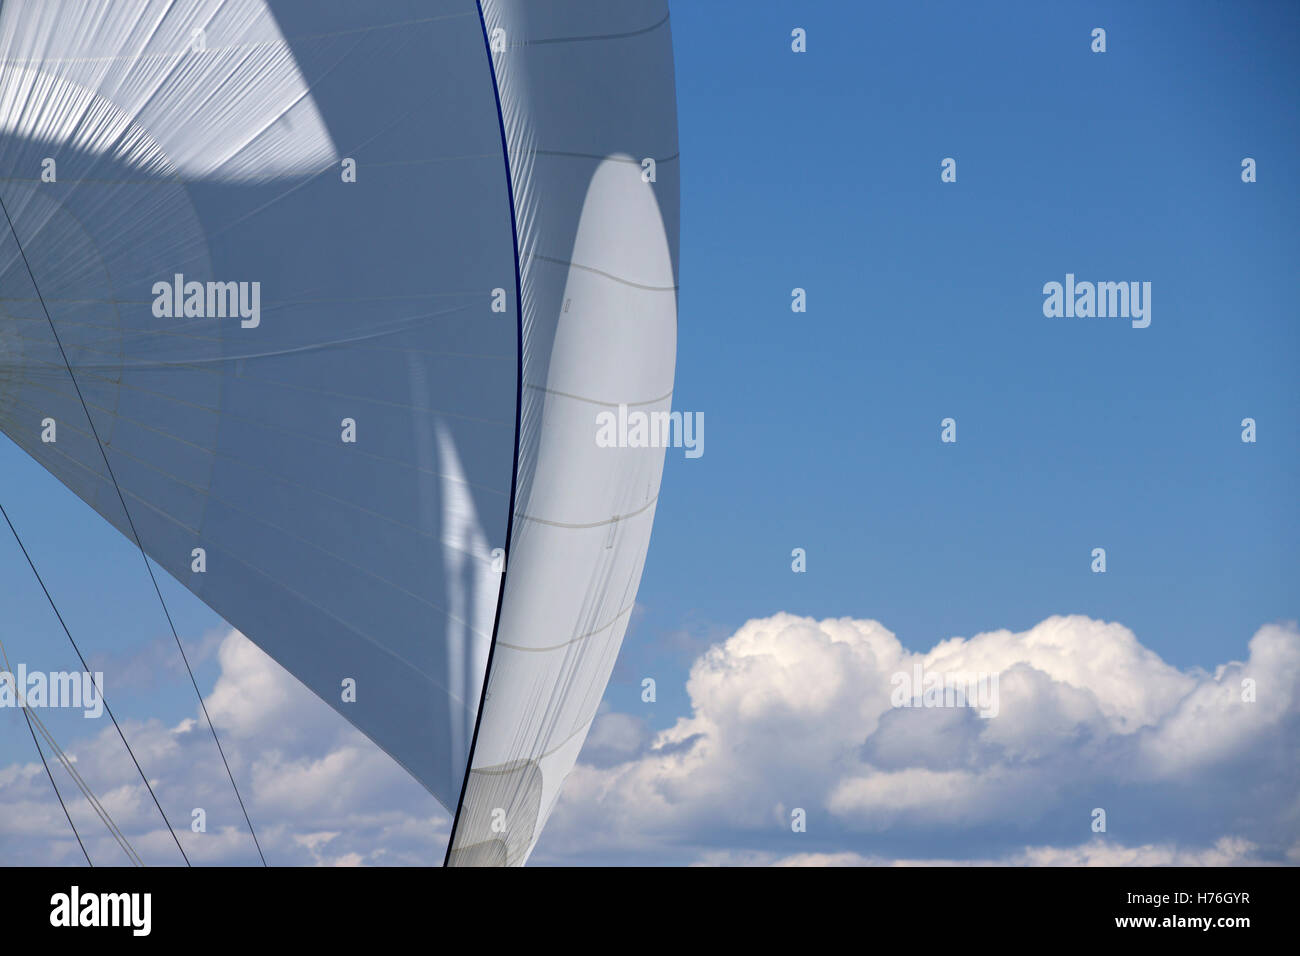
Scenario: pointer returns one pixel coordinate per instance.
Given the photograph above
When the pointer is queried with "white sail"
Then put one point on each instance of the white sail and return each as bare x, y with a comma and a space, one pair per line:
284, 246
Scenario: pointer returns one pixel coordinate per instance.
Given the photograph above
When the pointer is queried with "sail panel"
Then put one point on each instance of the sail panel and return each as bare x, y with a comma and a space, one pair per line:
587, 93
210, 145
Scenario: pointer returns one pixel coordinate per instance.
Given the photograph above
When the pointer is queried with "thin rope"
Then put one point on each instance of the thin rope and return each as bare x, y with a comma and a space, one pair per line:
67, 765
45, 763
139, 544
86, 667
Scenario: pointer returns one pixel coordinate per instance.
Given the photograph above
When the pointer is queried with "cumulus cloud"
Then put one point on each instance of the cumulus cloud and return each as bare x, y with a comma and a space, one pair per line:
317, 790
615, 738
1225, 852
788, 713
794, 713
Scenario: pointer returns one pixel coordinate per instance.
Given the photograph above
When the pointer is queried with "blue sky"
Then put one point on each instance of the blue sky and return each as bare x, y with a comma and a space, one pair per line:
821, 171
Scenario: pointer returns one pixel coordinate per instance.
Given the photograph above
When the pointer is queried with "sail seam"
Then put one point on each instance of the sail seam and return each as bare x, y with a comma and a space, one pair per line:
607, 275
599, 401
594, 36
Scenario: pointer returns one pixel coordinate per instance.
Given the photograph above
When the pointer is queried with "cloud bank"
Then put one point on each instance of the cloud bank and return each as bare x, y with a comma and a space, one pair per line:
790, 713
790, 718
317, 790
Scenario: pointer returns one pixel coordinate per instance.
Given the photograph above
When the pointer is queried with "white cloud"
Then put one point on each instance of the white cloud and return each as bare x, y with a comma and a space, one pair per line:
1225, 852
791, 712
615, 738
786, 713
317, 790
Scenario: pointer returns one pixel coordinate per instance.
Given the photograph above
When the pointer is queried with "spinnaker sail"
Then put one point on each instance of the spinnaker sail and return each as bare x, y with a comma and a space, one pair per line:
344, 287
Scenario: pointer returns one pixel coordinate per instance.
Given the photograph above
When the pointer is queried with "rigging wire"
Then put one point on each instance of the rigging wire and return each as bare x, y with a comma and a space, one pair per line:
108, 710
140, 544
8, 677
66, 762
95, 804
45, 763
